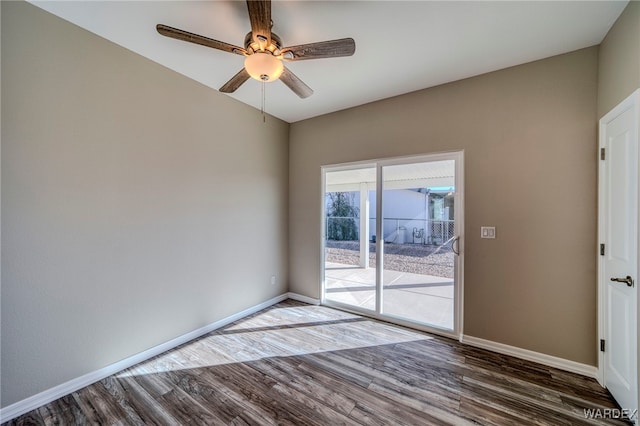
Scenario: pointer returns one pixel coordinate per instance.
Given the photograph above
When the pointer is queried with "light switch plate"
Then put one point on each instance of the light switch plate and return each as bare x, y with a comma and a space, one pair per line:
487, 232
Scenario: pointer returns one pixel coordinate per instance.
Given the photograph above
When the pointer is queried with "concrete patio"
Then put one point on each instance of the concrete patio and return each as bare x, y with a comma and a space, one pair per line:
425, 299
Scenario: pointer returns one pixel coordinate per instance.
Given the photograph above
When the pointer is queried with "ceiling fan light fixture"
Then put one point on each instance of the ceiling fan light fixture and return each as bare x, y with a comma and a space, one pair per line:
263, 66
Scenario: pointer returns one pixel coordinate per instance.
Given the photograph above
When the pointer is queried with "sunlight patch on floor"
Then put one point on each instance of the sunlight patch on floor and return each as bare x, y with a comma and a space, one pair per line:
278, 332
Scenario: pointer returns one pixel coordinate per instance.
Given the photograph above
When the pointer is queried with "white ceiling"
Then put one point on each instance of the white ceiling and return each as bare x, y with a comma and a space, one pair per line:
401, 46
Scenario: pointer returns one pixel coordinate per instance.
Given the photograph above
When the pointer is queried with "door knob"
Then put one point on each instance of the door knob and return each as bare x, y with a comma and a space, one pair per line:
627, 280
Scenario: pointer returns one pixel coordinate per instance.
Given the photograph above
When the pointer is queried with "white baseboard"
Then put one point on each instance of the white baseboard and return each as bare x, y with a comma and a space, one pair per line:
548, 360
304, 299
16, 409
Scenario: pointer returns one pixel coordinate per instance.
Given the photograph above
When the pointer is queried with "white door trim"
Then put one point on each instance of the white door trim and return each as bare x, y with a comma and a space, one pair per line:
631, 102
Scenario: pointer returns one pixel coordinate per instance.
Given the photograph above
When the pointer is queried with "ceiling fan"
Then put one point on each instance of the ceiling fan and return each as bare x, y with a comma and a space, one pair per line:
263, 51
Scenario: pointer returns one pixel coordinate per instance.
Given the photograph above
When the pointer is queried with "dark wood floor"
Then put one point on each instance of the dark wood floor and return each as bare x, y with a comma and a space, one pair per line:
300, 364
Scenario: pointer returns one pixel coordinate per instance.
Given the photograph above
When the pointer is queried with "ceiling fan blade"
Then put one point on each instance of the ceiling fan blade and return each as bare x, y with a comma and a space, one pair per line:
178, 34
235, 82
294, 83
322, 49
260, 17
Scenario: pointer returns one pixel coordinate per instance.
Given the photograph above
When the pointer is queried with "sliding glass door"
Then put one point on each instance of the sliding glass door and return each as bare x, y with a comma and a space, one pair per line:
418, 205
392, 239
349, 240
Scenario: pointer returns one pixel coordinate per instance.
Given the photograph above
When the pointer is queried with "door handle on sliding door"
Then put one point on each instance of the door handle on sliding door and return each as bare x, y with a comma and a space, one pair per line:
455, 246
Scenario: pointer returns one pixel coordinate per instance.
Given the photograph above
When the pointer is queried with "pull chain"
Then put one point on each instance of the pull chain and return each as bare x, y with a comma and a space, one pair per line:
262, 105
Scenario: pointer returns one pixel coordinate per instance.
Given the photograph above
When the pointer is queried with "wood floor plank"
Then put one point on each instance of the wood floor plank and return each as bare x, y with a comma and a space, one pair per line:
328, 364
148, 385
99, 406
368, 403
112, 385
410, 398
512, 403
149, 408
287, 371
207, 392
315, 411
294, 364
368, 414
63, 411
248, 411
254, 406
29, 419
185, 409
488, 415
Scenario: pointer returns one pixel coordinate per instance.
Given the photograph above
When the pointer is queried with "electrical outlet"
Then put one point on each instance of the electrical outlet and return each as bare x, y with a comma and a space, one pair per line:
487, 232
273, 280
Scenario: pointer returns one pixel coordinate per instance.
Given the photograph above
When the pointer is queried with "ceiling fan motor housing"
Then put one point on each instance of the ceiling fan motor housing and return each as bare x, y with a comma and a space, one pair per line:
252, 46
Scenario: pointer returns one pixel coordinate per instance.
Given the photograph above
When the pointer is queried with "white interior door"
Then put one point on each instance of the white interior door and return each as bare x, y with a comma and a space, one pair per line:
618, 211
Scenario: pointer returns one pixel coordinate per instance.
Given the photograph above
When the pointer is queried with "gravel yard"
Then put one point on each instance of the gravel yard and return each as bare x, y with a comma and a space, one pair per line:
413, 258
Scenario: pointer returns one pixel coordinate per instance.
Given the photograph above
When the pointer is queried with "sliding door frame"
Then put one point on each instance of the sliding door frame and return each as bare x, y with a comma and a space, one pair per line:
323, 233
379, 164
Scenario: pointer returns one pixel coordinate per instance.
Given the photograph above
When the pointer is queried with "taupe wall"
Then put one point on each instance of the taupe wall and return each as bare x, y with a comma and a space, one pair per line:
619, 68
529, 136
137, 205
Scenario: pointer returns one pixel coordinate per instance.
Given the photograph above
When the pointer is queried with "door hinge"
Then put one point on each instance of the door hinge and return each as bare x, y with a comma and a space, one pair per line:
602, 156
601, 345
601, 249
